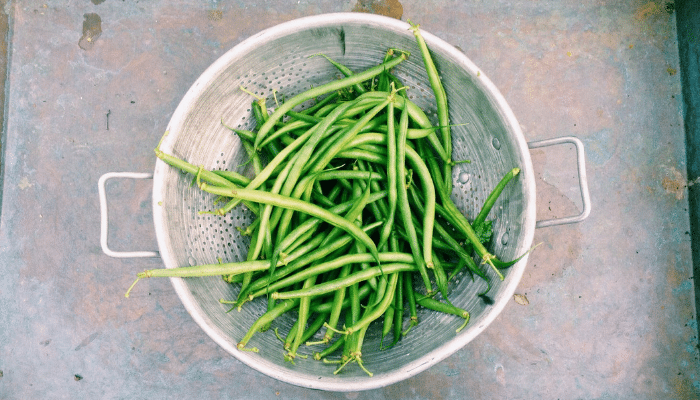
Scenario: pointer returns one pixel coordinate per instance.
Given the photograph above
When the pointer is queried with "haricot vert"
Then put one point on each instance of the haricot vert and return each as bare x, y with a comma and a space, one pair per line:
354, 218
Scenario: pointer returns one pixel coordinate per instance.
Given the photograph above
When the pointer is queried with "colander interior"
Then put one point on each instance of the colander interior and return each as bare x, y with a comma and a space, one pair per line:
277, 63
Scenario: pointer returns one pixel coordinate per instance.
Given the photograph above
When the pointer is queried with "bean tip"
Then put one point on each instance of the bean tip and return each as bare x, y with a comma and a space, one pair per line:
466, 321
241, 346
138, 277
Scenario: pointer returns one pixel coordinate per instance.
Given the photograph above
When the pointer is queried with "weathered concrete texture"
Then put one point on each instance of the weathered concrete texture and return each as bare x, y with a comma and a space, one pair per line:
610, 309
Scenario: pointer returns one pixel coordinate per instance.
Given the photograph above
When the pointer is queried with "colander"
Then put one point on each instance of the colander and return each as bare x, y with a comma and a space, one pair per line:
277, 63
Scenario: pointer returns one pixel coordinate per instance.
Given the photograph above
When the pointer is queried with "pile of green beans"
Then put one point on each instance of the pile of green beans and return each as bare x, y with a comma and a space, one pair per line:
352, 203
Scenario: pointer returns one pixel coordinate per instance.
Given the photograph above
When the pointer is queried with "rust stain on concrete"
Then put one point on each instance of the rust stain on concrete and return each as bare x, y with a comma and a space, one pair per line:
388, 8
215, 15
92, 29
674, 183
647, 10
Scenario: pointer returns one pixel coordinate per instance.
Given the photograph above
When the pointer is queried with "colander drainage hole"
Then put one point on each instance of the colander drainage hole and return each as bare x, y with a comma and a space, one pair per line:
496, 143
504, 239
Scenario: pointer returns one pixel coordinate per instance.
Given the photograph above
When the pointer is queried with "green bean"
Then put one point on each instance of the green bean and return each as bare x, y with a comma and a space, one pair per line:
347, 135
362, 103
301, 159
337, 262
302, 238
387, 323
299, 261
259, 111
233, 177
465, 227
413, 133
419, 117
367, 138
315, 193
301, 141
411, 298
248, 275
311, 224
345, 71
375, 168
289, 339
359, 192
338, 298
243, 134
349, 174
441, 102
321, 90
415, 113
495, 193
357, 354
460, 222
303, 260
383, 78
461, 263
265, 320
253, 156
440, 277
360, 154
373, 148
330, 349
429, 207
324, 110
398, 313
380, 308
205, 175
284, 131
267, 209
297, 205
402, 202
448, 237
363, 292
435, 305
354, 315
354, 293
323, 103
351, 279
391, 177
203, 270
297, 116
264, 174
302, 317
313, 327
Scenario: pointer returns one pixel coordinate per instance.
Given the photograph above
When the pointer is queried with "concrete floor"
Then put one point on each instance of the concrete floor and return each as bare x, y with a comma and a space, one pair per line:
4, 32
610, 311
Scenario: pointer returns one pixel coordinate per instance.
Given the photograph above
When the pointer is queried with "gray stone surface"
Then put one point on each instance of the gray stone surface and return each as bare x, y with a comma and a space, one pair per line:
611, 306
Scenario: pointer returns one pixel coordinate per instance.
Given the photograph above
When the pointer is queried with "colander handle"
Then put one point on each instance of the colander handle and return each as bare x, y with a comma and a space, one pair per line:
582, 180
104, 218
